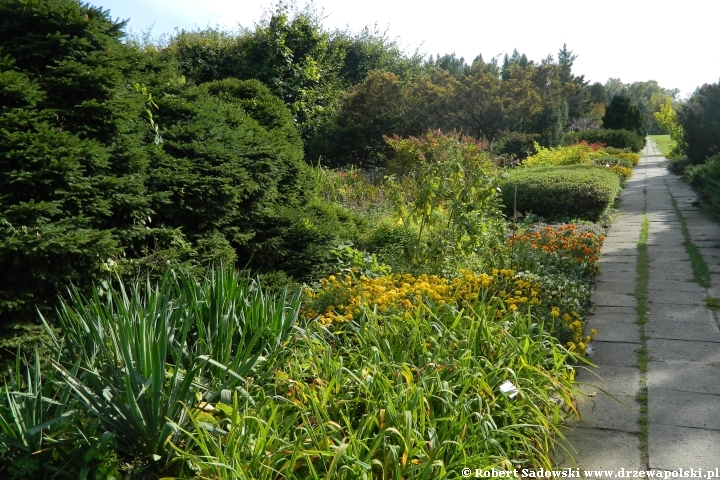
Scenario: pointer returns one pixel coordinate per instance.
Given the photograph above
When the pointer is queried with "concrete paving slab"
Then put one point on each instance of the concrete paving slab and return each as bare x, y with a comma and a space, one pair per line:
683, 409
613, 299
659, 239
692, 215
704, 227
629, 255
714, 268
676, 297
615, 265
666, 231
662, 350
604, 318
608, 412
602, 310
672, 330
614, 380
615, 354
622, 287
617, 272
667, 270
619, 249
632, 202
704, 234
673, 285
598, 449
665, 258
670, 276
615, 331
714, 290
622, 237
707, 243
674, 251
673, 447
678, 313
710, 253
692, 377
662, 216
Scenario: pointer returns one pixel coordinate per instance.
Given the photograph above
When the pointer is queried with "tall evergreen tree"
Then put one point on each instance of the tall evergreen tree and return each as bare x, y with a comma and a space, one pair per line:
70, 176
622, 114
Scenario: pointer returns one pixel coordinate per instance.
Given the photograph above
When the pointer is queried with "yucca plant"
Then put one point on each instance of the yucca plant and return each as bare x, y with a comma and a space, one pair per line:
30, 409
134, 357
234, 320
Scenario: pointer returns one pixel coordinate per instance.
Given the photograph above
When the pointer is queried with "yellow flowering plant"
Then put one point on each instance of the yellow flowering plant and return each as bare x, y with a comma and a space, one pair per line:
339, 300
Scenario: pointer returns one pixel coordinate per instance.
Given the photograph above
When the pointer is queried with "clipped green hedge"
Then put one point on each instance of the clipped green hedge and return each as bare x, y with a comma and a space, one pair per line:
611, 138
575, 191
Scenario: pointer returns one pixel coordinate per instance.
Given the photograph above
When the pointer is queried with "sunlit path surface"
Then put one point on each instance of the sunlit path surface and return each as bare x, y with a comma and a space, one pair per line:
681, 335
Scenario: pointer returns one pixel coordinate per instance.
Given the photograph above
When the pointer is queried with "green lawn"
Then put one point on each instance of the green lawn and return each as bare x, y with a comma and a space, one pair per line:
664, 143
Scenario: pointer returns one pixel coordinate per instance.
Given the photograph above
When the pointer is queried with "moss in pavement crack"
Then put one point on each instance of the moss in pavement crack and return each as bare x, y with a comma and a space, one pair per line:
701, 273
641, 287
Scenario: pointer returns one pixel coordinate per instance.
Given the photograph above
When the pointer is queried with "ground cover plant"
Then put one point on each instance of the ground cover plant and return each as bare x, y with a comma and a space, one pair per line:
619, 161
580, 153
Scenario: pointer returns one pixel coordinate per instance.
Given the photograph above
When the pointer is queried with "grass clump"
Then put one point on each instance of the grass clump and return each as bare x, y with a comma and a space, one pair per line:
576, 191
396, 396
701, 271
713, 303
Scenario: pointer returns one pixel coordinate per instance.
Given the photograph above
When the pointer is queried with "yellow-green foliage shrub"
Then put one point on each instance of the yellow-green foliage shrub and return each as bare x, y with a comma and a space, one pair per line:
581, 153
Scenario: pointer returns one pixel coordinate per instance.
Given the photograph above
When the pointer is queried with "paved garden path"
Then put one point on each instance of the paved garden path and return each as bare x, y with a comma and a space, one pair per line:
681, 335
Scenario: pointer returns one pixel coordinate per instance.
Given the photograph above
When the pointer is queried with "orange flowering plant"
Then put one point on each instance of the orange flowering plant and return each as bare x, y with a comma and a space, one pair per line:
563, 257
565, 249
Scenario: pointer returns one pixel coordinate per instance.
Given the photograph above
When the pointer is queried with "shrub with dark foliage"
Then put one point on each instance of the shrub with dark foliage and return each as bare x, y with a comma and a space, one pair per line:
700, 120
622, 114
611, 138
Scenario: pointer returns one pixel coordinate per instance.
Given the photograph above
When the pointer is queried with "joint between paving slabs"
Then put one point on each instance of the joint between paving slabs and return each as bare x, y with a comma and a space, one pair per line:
641, 314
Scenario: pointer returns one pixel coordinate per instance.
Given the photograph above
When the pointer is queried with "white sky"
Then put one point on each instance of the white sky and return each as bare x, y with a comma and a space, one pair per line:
674, 43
